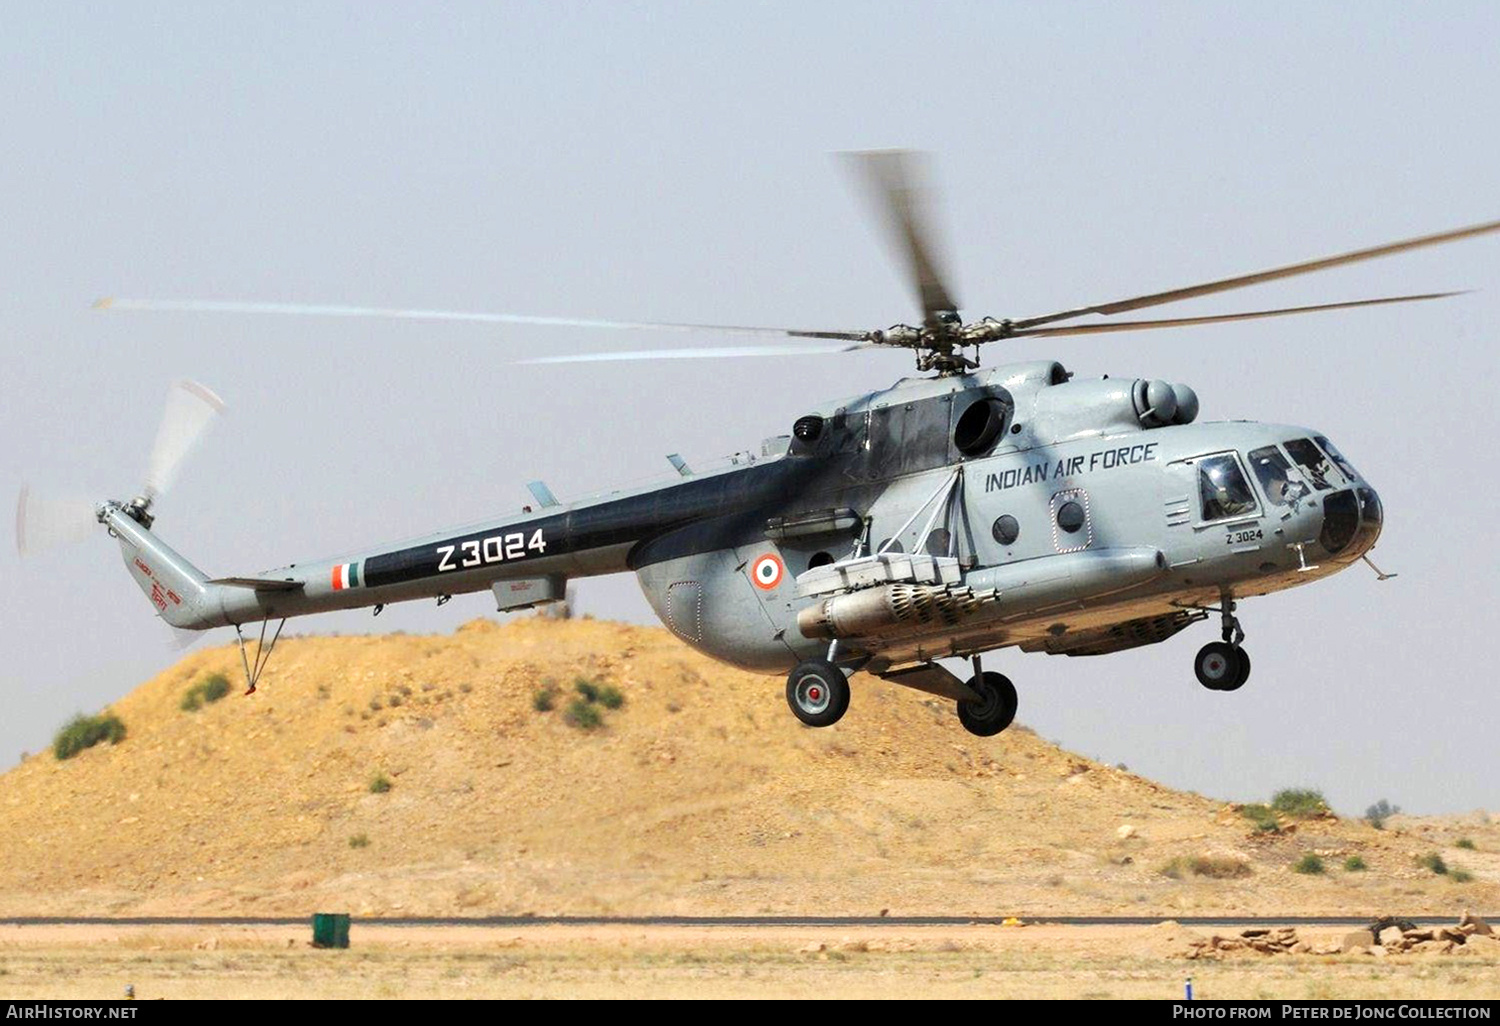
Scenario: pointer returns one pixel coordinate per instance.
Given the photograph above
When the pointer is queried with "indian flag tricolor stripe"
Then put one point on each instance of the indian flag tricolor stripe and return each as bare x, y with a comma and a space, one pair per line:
345, 575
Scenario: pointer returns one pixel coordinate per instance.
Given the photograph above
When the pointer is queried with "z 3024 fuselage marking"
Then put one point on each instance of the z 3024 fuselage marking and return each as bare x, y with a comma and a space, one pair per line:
495, 548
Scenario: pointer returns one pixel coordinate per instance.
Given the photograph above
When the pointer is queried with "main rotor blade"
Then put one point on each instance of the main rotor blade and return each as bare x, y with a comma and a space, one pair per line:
896, 181
1291, 270
389, 313
1254, 315
696, 354
191, 407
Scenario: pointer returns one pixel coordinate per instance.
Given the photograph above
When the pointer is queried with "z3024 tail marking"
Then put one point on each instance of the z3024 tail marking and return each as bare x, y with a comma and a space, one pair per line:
494, 549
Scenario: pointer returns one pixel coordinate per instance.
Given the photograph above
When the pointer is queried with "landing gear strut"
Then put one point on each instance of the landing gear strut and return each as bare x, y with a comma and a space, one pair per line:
262, 653
1224, 665
818, 692
996, 707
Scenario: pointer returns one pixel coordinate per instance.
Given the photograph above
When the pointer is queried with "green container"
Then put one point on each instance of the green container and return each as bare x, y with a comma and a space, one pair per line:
330, 930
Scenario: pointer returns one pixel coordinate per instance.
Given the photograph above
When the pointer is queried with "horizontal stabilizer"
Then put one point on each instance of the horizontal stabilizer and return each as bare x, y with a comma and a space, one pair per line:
260, 583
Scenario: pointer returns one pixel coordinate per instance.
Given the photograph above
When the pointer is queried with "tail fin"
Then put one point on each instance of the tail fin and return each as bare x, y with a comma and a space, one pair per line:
179, 591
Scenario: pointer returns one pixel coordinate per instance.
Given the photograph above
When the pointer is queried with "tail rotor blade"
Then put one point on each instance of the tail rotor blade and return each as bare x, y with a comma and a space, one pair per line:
180, 639
43, 522
191, 408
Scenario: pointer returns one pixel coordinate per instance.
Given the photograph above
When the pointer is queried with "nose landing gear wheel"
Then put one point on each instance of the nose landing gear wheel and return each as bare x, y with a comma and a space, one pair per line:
818, 693
1221, 666
1243, 675
996, 707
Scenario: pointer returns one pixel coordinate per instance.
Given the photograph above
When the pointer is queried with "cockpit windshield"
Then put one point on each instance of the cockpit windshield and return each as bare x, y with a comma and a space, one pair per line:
1278, 479
1338, 457
1223, 489
1311, 459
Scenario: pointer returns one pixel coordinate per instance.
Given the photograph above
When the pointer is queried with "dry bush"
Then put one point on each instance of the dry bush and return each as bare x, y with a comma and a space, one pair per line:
1214, 867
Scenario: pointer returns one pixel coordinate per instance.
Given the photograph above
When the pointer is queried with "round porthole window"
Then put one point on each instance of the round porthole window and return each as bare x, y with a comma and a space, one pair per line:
1006, 530
1070, 516
820, 559
938, 542
895, 546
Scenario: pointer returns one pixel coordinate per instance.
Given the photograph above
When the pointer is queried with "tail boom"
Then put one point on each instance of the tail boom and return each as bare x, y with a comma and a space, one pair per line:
550, 545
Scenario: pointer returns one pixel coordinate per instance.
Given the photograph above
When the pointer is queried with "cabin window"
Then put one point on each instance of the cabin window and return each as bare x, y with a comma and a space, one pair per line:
1006, 530
1071, 529
1337, 457
1071, 517
1311, 459
939, 541
1223, 488
1282, 485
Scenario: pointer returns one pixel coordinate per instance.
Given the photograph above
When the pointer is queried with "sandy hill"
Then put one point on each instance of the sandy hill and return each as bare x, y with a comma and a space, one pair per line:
700, 795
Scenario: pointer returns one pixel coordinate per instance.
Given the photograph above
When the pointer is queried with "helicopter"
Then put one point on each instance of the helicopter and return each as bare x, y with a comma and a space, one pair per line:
958, 512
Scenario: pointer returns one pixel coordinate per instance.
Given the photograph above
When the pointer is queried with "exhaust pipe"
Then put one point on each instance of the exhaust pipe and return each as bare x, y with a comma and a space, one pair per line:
882, 610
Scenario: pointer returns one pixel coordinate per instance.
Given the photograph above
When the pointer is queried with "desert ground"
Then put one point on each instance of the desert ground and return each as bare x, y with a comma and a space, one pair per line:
461, 775
697, 962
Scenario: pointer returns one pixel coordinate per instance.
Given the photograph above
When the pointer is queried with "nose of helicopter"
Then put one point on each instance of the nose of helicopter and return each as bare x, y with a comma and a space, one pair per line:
1352, 519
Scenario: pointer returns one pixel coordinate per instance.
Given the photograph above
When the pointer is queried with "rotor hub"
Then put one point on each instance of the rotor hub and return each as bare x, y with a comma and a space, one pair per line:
139, 510
940, 342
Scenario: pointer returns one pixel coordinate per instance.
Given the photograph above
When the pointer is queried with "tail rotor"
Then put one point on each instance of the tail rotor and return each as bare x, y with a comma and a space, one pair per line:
43, 522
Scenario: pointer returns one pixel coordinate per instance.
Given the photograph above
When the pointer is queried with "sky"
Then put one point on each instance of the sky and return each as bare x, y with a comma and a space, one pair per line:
671, 161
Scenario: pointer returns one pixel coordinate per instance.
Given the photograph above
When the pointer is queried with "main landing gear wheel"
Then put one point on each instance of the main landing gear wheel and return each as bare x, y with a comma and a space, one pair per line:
818, 693
1221, 666
996, 707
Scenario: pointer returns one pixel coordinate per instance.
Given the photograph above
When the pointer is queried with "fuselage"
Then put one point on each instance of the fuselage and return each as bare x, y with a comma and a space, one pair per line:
1086, 522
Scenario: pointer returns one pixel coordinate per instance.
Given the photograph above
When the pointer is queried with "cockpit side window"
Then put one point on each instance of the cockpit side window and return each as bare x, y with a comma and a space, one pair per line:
1311, 459
1223, 489
1337, 457
1281, 483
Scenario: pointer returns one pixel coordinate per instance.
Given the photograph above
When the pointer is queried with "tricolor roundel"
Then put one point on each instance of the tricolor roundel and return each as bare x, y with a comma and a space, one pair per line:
345, 575
767, 571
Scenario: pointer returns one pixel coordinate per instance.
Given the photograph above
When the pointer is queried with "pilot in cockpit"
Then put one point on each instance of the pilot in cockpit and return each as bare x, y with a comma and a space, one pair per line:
1282, 485
1281, 489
